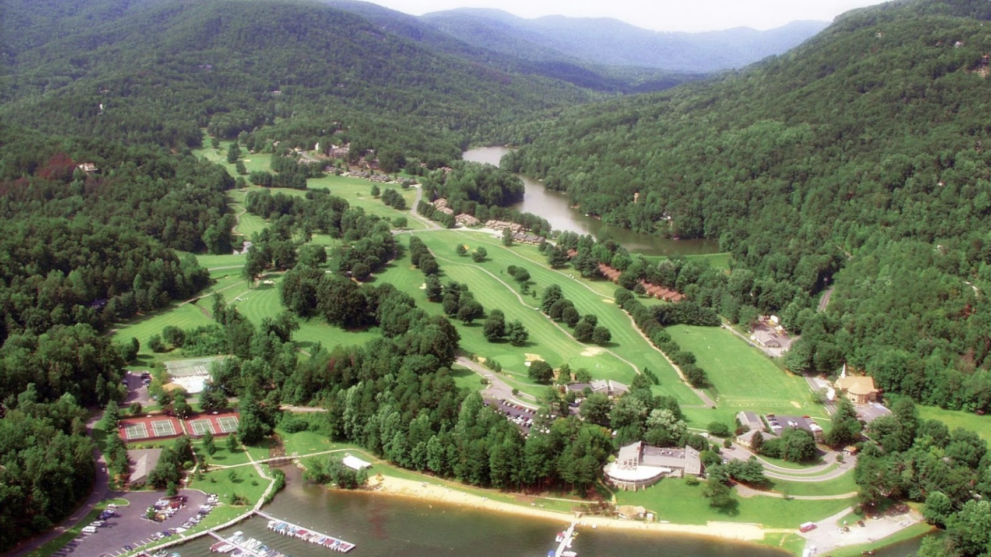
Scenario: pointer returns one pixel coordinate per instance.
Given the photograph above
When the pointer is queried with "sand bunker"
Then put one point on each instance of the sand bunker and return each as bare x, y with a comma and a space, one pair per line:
592, 351
608, 300
423, 286
795, 404
533, 357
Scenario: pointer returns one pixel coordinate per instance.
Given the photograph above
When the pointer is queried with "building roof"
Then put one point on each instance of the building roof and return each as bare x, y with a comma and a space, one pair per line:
857, 384
355, 463
143, 461
751, 420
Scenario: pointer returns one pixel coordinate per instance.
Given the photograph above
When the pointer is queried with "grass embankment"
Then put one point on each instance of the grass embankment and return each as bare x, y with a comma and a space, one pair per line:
838, 486
678, 502
909, 533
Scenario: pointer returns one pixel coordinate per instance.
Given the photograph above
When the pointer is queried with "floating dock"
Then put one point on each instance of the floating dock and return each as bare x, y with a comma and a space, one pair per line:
565, 538
280, 526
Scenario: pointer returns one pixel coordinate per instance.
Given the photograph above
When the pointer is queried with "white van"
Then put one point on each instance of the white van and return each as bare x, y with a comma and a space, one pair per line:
90, 529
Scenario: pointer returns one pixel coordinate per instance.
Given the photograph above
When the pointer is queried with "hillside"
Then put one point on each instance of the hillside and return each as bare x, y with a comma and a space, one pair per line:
466, 39
857, 160
164, 69
610, 42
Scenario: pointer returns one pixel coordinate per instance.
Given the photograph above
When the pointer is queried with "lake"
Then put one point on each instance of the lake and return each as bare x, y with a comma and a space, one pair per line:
388, 526
554, 207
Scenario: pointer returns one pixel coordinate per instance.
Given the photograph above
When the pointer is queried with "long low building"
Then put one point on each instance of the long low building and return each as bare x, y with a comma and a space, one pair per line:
639, 465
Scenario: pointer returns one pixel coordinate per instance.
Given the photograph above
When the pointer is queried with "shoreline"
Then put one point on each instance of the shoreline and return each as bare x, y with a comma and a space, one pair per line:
426, 491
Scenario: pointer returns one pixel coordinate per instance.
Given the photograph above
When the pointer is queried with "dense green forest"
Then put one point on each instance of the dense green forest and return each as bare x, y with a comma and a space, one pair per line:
857, 160
163, 70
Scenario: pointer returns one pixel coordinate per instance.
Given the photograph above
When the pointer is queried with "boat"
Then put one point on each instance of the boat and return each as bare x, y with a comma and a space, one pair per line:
569, 554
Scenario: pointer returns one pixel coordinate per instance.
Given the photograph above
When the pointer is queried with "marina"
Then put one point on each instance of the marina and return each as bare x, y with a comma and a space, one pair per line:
239, 546
564, 540
307, 535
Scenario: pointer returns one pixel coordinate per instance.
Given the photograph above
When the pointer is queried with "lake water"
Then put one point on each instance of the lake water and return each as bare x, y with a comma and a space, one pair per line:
554, 207
388, 526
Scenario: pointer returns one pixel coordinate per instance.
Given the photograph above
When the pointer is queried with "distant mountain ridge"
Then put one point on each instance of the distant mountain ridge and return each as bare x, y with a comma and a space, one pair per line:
612, 42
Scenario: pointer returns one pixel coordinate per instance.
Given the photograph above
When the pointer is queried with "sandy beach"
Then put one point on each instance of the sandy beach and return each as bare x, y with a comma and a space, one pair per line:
433, 492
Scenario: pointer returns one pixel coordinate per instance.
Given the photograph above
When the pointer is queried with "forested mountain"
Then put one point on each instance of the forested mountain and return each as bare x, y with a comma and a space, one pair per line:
611, 42
505, 53
163, 69
858, 160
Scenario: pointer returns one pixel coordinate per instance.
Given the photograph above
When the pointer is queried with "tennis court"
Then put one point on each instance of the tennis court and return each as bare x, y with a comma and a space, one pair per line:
133, 432
228, 424
191, 374
201, 426
163, 428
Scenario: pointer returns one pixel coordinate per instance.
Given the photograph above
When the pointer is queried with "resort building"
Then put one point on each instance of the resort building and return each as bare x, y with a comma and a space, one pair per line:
607, 386
142, 462
639, 465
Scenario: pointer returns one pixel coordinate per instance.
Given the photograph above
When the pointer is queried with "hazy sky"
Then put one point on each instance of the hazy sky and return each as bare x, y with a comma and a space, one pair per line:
661, 15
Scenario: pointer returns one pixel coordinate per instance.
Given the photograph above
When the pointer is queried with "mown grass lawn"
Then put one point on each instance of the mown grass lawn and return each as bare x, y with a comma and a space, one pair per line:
678, 502
953, 419
838, 486
742, 377
186, 316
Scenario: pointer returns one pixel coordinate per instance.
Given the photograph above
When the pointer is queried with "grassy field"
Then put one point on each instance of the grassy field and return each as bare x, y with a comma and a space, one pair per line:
496, 289
678, 502
954, 419
185, 316
743, 378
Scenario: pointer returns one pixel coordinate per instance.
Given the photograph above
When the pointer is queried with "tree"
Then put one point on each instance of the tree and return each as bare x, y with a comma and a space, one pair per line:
233, 153
521, 275
156, 344
516, 333
938, 509
596, 408
479, 255
557, 257
583, 331
798, 445
970, 529
664, 428
400, 222
494, 327
376, 191
181, 408
461, 249
719, 494
719, 429
601, 335
232, 443
757, 442
540, 372
846, 426
208, 443
507, 237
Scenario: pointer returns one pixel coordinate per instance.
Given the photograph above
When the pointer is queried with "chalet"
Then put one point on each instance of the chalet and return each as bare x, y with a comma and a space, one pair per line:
526, 238
499, 225
465, 219
440, 203
639, 465
859, 389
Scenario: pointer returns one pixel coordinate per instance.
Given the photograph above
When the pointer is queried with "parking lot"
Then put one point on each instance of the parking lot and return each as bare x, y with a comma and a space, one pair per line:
130, 527
519, 415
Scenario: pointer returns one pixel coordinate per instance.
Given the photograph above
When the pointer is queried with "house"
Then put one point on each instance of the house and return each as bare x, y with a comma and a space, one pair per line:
499, 225
526, 238
440, 203
465, 219
771, 336
88, 168
859, 389
142, 462
639, 465
606, 386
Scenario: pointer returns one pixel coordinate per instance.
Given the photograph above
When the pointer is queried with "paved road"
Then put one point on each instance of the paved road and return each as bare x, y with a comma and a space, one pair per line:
747, 492
830, 469
497, 389
824, 301
101, 491
829, 534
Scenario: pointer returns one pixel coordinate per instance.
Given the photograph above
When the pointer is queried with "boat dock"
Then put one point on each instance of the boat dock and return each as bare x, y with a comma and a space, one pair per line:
565, 539
280, 526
